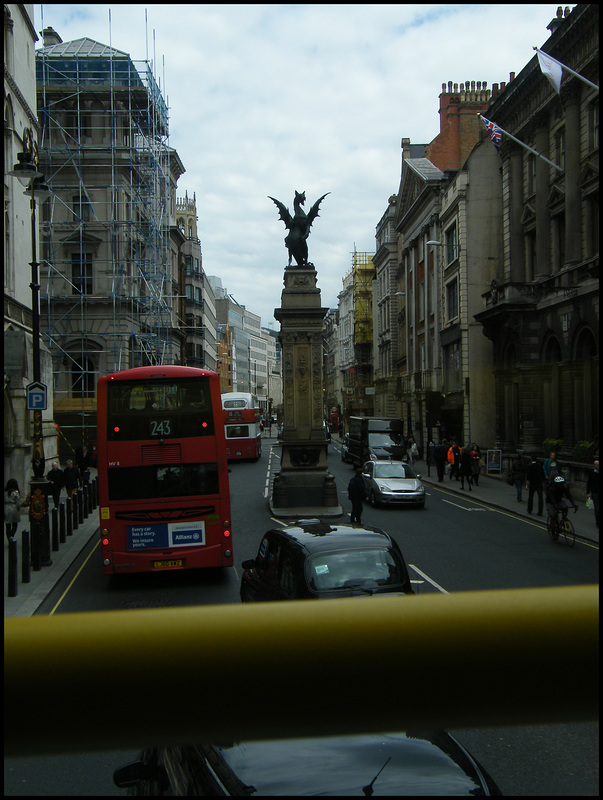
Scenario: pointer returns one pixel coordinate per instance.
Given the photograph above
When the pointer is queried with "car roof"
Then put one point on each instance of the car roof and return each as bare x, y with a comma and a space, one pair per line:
315, 536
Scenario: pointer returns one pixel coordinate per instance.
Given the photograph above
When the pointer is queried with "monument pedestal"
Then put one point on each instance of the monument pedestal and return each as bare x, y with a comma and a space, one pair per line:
303, 487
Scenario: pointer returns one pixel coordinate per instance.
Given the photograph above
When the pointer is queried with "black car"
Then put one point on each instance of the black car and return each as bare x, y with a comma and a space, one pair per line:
314, 559
393, 764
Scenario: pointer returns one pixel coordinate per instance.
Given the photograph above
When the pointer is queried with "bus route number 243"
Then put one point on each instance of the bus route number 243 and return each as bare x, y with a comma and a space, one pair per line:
160, 427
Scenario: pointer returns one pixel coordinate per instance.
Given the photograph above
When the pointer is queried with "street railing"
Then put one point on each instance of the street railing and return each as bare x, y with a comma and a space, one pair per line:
136, 678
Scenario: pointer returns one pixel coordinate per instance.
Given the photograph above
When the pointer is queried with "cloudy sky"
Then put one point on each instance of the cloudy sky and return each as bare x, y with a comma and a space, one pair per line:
269, 99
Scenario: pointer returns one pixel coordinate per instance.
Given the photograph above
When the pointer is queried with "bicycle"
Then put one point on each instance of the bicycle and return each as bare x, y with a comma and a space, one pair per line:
560, 524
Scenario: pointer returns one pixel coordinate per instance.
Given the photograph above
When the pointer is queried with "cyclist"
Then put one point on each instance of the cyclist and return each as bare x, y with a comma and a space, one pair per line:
556, 490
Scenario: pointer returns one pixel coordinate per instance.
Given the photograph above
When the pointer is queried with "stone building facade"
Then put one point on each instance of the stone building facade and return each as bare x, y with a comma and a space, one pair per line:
541, 311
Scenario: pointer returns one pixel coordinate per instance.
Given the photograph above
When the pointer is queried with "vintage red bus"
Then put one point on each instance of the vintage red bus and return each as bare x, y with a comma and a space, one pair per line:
242, 425
164, 499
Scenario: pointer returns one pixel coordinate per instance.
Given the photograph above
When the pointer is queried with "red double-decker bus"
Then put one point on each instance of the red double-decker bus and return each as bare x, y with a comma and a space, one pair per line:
242, 425
164, 498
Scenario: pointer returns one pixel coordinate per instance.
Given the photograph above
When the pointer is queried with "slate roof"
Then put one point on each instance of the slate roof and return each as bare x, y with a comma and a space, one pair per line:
425, 169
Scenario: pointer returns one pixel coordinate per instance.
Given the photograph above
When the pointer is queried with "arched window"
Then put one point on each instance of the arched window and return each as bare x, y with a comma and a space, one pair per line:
83, 377
586, 386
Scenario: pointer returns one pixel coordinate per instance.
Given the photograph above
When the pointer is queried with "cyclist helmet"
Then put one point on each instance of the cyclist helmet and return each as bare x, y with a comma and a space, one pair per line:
559, 479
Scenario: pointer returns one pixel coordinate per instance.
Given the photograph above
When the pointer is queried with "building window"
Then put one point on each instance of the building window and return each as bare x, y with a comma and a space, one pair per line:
530, 175
81, 208
81, 273
452, 299
452, 367
560, 147
594, 125
452, 245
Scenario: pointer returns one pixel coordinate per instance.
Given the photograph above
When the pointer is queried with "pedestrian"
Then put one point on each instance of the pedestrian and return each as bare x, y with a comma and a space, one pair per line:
551, 466
83, 459
55, 477
356, 494
465, 468
71, 476
454, 454
534, 481
475, 463
439, 455
592, 489
518, 475
12, 508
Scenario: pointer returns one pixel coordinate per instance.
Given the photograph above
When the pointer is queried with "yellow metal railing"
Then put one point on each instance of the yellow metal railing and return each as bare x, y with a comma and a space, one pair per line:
130, 679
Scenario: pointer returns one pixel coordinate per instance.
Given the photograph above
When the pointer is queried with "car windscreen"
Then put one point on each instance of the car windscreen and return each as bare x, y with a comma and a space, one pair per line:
383, 439
366, 568
395, 470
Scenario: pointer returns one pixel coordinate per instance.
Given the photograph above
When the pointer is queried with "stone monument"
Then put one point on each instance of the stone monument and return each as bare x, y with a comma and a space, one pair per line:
303, 487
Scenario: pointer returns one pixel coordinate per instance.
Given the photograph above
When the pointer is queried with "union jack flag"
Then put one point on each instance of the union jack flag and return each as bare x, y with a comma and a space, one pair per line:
494, 132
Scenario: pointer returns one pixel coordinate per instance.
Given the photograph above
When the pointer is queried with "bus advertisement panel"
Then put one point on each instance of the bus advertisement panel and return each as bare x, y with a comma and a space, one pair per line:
164, 498
242, 425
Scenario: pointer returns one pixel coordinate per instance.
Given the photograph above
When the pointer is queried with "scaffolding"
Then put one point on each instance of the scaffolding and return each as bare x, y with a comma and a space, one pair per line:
358, 378
108, 281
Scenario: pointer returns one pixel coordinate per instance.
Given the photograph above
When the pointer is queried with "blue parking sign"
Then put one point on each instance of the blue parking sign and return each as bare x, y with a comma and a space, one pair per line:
36, 397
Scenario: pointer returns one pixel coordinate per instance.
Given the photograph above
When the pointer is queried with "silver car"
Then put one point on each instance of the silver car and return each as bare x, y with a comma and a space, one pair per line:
392, 482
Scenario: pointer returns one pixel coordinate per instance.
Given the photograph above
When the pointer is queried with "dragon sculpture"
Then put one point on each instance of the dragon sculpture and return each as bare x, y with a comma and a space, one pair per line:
298, 226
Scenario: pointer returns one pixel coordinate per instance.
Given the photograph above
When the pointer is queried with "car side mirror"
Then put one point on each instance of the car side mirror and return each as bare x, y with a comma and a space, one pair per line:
249, 564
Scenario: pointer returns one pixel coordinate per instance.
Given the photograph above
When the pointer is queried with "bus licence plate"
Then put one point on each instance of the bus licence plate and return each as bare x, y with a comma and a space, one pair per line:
167, 564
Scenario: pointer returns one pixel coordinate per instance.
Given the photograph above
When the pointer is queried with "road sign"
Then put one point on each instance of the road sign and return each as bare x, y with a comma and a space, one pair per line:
36, 396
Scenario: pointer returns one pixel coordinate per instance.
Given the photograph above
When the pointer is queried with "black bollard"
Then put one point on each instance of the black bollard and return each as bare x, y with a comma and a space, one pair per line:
85, 509
54, 517
12, 568
75, 514
69, 517
25, 558
80, 506
34, 540
62, 526
94, 492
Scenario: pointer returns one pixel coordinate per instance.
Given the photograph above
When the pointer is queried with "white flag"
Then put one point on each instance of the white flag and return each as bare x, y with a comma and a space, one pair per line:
552, 69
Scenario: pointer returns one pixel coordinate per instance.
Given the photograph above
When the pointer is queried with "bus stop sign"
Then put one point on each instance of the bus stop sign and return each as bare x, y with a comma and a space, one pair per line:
36, 397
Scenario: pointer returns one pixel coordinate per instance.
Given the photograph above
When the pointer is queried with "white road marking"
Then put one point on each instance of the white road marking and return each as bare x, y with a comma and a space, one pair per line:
428, 579
464, 508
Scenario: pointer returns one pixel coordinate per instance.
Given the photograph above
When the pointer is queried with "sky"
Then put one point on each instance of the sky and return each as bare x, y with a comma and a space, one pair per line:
267, 100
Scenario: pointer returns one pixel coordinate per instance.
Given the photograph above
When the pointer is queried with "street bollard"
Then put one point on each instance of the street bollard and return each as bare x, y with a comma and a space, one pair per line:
80, 506
62, 528
54, 514
25, 558
12, 568
36, 558
95, 492
69, 516
85, 509
75, 514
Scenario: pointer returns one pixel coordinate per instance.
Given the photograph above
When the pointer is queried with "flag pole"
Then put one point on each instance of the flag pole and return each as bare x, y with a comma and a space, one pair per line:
527, 146
563, 66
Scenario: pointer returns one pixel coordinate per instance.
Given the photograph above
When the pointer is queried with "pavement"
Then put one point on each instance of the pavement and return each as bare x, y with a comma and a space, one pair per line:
492, 491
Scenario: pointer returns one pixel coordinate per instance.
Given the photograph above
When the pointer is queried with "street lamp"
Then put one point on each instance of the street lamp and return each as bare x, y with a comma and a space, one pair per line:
28, 174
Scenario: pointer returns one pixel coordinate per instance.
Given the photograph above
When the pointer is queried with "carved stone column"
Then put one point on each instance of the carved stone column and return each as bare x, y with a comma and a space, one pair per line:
303, 487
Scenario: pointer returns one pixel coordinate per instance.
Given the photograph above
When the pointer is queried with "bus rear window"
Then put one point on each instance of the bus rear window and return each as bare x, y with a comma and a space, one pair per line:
237, 431
173, 480
162, 409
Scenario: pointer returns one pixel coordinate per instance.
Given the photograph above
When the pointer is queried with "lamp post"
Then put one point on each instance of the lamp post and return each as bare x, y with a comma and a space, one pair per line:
28, 174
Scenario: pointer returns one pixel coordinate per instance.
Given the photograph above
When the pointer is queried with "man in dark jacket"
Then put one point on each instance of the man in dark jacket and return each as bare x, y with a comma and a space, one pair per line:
356, 494
55, 477
534, 481
440, 457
